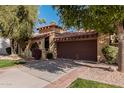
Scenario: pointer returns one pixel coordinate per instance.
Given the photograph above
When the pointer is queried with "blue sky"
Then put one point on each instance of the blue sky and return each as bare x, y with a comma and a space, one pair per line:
49, 14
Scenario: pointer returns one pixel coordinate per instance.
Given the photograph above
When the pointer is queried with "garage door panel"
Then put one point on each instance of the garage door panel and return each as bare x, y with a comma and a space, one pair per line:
86, 50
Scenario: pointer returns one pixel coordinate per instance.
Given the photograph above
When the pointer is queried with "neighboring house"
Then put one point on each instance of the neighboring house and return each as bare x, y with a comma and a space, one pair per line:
4, 43
80, 45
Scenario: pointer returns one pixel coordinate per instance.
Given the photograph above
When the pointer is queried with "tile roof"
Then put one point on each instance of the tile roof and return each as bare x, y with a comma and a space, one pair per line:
74, 34
65, 36
68, 36
49, 26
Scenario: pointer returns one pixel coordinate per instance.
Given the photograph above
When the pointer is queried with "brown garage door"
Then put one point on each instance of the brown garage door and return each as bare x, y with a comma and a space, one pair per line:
85, 50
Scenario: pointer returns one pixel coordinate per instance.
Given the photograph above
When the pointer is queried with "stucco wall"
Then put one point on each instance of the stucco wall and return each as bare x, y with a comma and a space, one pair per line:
42, 47
52, 48
4, 43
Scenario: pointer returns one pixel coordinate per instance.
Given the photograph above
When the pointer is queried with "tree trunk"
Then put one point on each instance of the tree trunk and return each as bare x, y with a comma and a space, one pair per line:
19, 50
121, 56
121, 47
12, 45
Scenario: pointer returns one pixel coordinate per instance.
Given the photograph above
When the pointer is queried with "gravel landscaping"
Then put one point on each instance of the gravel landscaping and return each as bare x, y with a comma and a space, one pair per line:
10, 57
103, 75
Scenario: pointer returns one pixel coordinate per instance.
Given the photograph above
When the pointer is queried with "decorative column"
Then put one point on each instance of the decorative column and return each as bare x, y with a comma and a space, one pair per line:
42, 47
52, 45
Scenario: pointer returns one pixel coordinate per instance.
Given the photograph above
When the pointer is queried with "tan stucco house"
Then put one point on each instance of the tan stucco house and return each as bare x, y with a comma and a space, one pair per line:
80, 45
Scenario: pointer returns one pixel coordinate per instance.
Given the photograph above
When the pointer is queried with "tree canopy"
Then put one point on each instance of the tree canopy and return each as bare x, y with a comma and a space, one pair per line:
103, 18
17, 22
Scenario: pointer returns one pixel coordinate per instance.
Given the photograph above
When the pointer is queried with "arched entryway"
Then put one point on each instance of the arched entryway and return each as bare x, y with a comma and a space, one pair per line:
36, 52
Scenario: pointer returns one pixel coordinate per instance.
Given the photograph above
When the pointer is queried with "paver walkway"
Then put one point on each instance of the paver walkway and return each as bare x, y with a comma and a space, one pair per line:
65, 80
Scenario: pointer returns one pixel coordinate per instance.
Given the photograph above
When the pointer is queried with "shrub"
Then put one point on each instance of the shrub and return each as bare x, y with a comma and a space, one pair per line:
49, 55
8, 50
110, 53
20, 62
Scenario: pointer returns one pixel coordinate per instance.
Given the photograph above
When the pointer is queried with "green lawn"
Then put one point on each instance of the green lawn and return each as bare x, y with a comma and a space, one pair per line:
82, 83
7, 63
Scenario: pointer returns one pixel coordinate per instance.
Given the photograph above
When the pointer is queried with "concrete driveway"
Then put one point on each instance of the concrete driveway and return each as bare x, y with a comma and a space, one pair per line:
15, 78
35, 74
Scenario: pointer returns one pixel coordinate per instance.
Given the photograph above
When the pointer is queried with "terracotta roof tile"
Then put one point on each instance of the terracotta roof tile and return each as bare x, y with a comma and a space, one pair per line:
45, 27
67, 35
74, 34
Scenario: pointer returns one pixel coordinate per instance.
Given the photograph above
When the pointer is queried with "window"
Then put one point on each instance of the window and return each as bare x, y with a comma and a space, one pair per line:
46, 43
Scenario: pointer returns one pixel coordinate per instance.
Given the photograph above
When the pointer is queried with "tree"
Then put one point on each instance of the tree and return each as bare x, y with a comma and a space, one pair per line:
42, 21
16, 23
7, 22
103, 19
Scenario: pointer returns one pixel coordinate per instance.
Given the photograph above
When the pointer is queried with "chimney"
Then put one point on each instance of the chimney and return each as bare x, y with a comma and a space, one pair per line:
53, 23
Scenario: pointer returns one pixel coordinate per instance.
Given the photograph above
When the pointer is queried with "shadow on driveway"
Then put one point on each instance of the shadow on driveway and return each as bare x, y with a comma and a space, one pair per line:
52, 66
